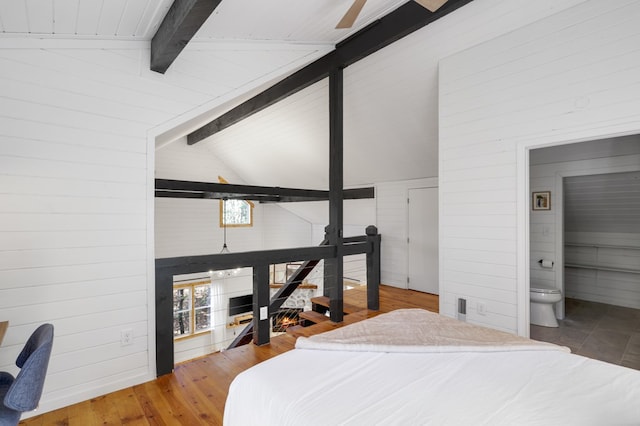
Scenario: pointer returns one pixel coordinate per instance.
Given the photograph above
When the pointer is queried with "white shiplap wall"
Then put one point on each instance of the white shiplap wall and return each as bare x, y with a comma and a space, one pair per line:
191, 226
392, 211
73, 184
75, 203
569, 77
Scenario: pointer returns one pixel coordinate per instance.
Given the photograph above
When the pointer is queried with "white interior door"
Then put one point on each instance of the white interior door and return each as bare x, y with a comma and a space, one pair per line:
423, 240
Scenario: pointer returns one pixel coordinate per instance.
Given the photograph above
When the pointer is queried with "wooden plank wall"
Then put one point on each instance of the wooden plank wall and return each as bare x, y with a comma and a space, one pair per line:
76, 201
571, 76
74, 211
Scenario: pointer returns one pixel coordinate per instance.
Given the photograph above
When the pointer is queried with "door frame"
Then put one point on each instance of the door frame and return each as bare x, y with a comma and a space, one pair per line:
523, 220
435, 187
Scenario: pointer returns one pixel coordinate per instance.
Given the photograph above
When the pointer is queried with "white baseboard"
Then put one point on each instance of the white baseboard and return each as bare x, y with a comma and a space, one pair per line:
99, 389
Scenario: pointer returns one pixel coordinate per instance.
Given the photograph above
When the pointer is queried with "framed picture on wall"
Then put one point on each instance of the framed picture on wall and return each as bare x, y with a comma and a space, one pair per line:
541, 200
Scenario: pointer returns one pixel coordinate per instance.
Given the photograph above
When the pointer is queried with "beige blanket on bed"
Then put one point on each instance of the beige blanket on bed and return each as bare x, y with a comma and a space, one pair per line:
418, 330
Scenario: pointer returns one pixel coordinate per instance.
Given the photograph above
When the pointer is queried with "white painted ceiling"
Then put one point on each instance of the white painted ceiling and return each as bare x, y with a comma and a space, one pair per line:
298, 21
391, 109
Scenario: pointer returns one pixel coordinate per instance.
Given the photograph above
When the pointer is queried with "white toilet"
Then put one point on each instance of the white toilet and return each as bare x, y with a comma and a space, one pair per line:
543, 297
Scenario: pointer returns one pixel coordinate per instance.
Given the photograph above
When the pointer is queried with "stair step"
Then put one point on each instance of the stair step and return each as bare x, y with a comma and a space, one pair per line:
330, 325
347, 308
313, 316
295, 329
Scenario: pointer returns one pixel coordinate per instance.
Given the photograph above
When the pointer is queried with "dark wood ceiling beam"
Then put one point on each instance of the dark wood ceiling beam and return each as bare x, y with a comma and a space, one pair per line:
379, 34
183, 20
166, 188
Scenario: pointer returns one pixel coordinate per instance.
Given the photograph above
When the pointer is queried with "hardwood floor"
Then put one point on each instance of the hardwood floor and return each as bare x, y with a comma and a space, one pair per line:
195, 393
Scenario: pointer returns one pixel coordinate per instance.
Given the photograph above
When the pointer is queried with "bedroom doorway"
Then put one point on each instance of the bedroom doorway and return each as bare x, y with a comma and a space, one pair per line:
423, 240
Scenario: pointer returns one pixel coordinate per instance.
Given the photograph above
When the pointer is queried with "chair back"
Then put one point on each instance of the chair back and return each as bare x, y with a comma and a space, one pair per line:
25, 392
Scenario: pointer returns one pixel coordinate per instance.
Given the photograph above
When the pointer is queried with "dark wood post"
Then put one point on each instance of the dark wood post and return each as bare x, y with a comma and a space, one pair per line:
325, 269
164, 322
261, 317
334, 267
373, 269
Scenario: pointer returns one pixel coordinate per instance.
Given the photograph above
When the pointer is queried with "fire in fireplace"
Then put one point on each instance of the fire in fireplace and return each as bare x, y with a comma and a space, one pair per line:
285, 318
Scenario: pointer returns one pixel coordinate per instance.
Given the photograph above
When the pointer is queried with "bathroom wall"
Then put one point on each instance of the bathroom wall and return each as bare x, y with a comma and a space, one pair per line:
602, 238
548, 168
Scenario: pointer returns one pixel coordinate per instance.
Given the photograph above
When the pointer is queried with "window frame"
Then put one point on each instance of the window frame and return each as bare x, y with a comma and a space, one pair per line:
234, 225
192, 308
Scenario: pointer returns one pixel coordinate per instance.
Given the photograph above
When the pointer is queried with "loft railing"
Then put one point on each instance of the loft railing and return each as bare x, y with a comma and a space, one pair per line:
263, 307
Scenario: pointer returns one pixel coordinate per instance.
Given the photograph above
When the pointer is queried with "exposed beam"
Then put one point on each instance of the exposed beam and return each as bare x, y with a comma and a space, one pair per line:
381, 33
166, 188
183, 20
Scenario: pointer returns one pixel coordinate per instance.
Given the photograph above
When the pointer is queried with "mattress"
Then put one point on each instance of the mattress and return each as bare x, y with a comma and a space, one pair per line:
325, 381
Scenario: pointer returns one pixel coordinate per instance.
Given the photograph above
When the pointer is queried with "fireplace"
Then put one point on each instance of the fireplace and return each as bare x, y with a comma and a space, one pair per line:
285, 318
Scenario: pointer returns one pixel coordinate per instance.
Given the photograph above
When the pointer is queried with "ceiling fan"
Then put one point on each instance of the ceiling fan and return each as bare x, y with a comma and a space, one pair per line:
350, 17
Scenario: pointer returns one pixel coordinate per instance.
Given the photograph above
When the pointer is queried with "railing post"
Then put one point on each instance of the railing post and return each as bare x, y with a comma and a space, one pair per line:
373, 269
261, 318
325, 268
164, 322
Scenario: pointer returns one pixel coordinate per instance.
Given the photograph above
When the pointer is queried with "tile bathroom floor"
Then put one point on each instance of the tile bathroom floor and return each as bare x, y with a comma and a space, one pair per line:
597, 330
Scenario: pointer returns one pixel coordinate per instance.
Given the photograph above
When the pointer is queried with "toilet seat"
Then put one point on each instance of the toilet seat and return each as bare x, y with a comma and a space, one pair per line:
543, 288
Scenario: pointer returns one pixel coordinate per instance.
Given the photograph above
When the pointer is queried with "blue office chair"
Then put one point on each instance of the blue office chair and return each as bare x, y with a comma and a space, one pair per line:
23, 392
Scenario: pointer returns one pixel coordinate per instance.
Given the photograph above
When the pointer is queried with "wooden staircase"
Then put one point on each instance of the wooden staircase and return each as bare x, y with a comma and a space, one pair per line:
279, 298
321, 304
318, 315
312, 317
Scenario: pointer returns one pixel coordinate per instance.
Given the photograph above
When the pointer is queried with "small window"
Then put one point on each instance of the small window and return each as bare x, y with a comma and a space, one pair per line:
191, 309
235, 213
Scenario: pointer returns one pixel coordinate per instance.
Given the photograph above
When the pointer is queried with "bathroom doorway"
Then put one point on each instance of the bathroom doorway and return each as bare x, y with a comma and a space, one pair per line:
589, 235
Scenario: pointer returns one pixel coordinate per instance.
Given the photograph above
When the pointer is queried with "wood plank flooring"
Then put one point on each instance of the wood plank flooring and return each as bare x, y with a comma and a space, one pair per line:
195, 393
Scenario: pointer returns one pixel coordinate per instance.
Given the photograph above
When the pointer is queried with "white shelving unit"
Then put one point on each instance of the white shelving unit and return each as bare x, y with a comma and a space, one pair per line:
597, 266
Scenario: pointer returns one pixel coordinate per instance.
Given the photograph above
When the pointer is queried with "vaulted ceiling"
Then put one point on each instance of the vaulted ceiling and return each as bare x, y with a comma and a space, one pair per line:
295, 21
391, 111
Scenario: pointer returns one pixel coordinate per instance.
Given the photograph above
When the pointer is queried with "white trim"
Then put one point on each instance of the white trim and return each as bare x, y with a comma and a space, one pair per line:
200, 44
99, 388
420, 183
151, 261
522, 240
559, 232
24, 41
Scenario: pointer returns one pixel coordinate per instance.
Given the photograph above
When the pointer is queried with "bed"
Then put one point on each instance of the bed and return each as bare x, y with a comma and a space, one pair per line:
414, 367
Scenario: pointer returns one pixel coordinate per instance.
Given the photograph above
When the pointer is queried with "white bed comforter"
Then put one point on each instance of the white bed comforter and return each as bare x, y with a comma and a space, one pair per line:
495, 382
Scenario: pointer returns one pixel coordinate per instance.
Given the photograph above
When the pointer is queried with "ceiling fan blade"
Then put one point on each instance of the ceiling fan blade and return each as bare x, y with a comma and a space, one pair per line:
431, 5
350, 17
